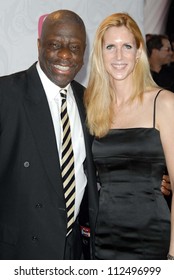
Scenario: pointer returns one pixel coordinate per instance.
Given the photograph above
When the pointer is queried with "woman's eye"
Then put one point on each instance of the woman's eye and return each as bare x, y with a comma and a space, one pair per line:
109, 47
127, 46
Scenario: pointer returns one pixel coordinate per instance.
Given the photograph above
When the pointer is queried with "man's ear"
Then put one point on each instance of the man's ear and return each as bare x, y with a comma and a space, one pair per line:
38, 43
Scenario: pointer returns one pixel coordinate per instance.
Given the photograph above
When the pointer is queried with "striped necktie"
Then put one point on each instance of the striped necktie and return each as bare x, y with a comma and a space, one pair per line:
67, 163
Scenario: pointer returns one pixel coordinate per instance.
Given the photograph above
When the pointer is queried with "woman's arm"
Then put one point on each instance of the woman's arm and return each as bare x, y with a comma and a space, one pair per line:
165, 124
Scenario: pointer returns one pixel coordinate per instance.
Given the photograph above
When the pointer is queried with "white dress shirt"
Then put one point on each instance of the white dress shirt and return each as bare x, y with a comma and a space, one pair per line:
54, 101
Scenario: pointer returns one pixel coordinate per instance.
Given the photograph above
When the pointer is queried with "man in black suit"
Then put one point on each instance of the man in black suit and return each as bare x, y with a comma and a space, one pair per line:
33, 219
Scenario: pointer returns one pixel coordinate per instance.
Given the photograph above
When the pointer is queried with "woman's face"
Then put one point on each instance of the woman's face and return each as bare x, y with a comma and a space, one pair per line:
120, 53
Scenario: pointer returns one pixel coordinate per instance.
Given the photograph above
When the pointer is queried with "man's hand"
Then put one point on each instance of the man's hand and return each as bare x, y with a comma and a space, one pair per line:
165, 185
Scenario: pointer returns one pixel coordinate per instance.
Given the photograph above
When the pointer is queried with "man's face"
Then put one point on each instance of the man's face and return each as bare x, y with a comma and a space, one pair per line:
165, 53
61, 51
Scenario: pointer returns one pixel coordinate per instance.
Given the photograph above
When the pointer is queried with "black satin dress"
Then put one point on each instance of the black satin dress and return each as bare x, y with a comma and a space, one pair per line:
134, 219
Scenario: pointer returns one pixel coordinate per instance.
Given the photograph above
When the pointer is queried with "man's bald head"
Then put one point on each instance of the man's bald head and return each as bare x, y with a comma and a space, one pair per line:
61, 17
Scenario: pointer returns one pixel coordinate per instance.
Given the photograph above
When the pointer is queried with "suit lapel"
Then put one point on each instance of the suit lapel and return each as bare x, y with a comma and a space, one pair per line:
39, 117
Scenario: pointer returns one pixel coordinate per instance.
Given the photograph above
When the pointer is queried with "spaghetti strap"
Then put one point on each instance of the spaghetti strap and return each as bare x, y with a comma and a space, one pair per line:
154, 107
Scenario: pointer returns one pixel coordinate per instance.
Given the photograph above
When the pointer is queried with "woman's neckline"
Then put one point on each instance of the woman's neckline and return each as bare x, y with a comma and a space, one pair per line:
131, 128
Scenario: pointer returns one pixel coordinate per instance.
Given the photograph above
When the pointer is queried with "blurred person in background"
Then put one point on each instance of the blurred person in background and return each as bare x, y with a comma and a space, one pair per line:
172, 46
159, 54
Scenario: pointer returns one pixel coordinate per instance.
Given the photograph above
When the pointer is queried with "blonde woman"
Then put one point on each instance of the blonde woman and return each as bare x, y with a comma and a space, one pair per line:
131, 119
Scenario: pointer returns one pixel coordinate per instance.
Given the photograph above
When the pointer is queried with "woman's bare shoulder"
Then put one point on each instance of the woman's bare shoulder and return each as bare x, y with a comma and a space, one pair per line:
166, 97
162, 95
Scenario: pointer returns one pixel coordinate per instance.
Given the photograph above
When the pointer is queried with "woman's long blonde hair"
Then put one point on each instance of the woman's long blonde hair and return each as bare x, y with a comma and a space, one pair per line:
99, 93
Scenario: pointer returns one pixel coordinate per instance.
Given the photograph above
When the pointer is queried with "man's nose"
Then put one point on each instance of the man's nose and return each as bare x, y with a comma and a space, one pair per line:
64, 52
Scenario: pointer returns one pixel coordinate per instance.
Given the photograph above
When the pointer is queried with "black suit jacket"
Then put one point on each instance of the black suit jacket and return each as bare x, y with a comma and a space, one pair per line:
32, 205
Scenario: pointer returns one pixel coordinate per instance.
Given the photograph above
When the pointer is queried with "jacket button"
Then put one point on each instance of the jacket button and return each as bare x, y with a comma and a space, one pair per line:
34, 238
39, 205
26, 164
